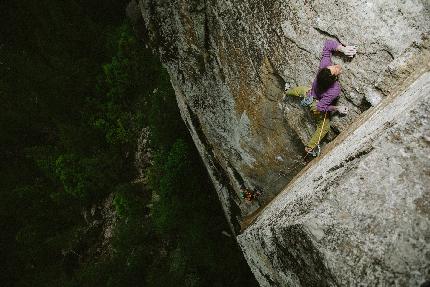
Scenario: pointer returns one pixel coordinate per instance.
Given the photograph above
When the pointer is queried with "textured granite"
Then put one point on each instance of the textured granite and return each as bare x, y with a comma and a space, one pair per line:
360, 216
229, 61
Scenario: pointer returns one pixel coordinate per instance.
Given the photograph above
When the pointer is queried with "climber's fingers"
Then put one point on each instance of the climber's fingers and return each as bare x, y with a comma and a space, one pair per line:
342, 109
350, 51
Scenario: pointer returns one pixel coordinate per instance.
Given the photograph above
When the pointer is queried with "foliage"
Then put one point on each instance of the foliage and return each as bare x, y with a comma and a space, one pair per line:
118, 90
126, 204
168, 174
77, 87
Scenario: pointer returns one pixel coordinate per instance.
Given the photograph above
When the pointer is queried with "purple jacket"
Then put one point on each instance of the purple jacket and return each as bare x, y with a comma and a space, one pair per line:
326, 98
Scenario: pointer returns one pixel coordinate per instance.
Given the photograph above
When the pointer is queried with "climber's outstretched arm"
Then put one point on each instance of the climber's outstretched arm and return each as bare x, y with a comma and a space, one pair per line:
331, 46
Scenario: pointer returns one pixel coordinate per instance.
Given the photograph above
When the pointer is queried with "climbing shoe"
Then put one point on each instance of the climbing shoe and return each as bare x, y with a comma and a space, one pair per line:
315, 151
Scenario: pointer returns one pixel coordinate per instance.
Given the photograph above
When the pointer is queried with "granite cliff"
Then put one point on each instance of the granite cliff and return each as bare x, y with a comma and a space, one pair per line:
359, 213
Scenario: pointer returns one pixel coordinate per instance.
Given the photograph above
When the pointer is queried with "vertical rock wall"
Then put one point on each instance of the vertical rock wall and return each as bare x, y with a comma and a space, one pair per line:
357, 215
229, 61
360, 216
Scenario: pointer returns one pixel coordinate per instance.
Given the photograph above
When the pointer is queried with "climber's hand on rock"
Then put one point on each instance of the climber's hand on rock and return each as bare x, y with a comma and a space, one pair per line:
342, 110
349, 51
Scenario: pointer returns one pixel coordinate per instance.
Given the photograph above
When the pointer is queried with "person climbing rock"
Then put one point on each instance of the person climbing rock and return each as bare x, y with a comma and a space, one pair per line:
325, 89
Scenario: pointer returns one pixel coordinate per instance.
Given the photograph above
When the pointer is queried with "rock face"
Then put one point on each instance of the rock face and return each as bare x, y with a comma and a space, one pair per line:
361, 213
229, 62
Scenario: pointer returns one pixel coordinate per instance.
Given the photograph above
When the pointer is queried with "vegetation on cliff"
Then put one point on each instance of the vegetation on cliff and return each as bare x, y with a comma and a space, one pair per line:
77, 87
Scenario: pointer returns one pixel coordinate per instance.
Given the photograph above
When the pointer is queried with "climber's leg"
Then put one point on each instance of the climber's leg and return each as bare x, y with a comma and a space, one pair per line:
323, 126
299, 91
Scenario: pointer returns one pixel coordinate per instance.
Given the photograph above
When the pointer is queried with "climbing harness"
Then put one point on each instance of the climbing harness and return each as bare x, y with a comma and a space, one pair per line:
317, 149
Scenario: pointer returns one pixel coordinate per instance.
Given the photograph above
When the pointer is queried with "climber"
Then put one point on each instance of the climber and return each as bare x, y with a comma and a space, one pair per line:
325, 89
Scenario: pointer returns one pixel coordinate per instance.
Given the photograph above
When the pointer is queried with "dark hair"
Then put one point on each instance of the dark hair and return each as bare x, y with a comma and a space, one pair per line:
325, 79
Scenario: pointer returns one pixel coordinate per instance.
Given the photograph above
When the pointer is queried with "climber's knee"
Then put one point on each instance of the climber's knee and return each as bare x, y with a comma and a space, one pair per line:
299, 91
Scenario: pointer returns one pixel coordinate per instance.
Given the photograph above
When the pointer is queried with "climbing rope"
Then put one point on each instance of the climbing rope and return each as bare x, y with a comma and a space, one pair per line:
317, 152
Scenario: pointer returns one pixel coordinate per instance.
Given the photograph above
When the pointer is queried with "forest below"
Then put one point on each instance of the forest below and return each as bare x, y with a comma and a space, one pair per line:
78, 87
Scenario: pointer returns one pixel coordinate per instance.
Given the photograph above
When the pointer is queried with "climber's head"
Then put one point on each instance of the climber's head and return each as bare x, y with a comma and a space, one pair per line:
335, 69
327, 76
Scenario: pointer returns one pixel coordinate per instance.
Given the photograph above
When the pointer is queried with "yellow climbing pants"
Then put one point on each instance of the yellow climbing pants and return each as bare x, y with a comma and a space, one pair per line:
322, 126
